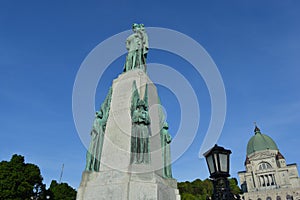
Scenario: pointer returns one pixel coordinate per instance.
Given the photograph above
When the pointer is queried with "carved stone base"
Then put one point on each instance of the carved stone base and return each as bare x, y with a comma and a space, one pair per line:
115, 185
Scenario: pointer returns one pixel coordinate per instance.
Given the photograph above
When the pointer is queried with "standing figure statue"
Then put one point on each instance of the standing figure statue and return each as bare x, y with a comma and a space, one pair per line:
137, 46
140, 134
145, 49
166, 140
93, 155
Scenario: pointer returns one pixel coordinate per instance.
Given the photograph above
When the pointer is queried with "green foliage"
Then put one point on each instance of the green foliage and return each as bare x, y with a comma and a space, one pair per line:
19, 180
197, 189
187, 196
61, 191
23, 181
200, 190
233, 184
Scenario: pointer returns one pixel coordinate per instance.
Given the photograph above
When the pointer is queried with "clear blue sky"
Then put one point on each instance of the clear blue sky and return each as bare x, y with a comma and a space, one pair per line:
255, 44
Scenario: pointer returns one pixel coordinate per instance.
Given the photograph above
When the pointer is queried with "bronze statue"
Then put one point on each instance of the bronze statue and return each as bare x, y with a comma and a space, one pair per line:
94, 153
93, 156
140, 131
137, 46
166, 140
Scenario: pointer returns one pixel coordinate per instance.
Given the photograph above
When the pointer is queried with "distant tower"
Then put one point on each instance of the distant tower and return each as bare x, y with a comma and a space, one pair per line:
128, 157
267, 176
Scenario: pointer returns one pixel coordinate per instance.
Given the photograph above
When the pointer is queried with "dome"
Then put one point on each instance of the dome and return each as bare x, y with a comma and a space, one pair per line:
260, 142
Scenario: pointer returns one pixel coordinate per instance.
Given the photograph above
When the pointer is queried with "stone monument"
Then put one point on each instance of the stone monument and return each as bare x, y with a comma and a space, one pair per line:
129, 154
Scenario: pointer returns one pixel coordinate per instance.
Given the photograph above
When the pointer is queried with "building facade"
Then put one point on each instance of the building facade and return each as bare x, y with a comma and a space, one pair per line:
267, 176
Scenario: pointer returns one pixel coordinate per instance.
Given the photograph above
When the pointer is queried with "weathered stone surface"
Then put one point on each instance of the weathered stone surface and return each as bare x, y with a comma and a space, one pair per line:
123, 186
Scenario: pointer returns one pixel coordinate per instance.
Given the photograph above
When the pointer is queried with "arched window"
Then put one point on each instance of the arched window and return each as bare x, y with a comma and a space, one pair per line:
268, 198
264, 165
289, 197
259, 199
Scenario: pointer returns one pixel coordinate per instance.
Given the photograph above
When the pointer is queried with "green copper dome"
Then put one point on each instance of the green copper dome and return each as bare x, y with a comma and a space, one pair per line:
260, 142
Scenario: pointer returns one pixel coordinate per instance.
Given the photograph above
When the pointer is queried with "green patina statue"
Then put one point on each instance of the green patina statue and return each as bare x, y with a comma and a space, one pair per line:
93, 156
166, 151
137, 46
140, 128
97, 133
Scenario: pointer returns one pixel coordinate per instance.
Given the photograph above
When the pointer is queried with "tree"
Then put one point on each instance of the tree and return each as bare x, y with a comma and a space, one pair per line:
200, 190
187, 196
233, 184
20, 180
61, 191
196, 190
23, 181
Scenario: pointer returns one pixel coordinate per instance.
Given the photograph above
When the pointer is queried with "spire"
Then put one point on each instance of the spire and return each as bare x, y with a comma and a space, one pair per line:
256, 129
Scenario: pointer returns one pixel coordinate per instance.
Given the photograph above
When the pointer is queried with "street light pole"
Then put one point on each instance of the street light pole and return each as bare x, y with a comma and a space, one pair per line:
221, 189
217, 159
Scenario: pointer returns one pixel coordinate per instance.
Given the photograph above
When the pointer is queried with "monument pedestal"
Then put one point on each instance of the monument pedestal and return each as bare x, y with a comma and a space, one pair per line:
118, 178
115, 185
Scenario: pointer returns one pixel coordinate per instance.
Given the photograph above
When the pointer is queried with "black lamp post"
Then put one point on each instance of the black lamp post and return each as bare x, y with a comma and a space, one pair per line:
217, 159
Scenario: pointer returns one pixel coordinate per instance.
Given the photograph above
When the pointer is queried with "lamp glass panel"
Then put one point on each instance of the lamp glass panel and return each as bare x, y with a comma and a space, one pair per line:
211, 164
223, 162
217, 161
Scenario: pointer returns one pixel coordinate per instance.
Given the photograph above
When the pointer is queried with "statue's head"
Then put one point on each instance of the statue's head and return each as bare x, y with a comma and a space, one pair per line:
142, 26
141, 103
135, 27
99, 113
166, 125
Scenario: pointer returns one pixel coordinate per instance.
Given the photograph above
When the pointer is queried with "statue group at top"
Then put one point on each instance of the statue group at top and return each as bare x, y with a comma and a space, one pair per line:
137, 46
